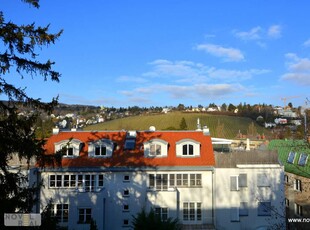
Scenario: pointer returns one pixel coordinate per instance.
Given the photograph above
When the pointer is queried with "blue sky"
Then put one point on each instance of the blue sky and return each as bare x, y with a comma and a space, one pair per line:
167, 52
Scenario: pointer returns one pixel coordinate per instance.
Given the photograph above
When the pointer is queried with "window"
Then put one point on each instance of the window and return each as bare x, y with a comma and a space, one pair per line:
69, 151
303, 159
188, 149
286, 179
158, 182
264, 209
58, 181
234, 183
162, 213
69, 148
125, 222
291, 157
126, 192
84, 215
262, 180
186, 180
192, 211
130, 144
85, 183
171, 180
61, 212
125, 207
155, 150
297, 185
298, 209
52, 181
244, 209
69, 180
101, 150
126, 178
234, 214
287, 202
195, 180
242, 180
89, 182
100, 180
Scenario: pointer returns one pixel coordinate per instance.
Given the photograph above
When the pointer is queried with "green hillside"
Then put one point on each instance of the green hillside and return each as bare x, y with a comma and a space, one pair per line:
219, 125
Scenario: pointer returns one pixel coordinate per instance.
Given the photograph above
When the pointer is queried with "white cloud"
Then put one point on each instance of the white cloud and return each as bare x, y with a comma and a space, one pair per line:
253, 34
307, 43
228, 54
236, 75
180, 71
274, 31
298, 70
260, 34
131, 79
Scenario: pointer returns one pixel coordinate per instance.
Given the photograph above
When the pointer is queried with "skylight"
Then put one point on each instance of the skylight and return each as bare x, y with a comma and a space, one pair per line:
291, 157
130, 144
303, 159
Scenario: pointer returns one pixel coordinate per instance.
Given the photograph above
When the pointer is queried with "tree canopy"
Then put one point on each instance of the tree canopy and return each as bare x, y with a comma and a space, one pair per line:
19, 59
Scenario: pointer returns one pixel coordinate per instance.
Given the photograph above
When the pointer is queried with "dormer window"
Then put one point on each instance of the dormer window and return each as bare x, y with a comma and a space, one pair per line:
155, 148
187, 148
100, 148
70, 148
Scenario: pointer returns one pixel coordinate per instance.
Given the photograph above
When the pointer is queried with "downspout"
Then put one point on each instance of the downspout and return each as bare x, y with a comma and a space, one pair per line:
213, 197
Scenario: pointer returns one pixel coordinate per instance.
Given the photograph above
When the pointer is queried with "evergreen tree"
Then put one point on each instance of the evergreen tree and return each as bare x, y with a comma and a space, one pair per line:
17, 136
183, 125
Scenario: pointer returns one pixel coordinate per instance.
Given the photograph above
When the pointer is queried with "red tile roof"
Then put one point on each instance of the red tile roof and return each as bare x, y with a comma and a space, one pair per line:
135, 158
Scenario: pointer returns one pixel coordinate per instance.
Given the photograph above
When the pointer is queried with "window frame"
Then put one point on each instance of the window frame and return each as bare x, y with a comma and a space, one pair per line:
86, 217
188, 148
264, 208
73, 145
156, 144
192, 211
63, 209
297, 185
100, 144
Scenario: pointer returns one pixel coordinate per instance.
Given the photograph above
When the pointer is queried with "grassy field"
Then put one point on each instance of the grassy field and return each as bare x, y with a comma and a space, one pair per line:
220, 126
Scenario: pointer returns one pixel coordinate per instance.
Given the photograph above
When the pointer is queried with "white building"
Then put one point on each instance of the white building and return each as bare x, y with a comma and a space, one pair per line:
249, 191
111, 176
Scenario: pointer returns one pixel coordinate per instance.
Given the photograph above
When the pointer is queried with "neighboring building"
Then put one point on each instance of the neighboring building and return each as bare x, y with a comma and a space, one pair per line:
249, 191
294, 154
111, 176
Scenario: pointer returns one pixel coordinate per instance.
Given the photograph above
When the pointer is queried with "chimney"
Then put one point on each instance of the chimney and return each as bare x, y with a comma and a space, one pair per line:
198, 125
55, 130
206, 130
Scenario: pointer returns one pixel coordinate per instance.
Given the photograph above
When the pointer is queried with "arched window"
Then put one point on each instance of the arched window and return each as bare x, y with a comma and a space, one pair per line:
187, 148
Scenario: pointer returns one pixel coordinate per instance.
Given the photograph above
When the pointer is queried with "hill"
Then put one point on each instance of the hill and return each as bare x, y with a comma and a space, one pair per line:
219, 125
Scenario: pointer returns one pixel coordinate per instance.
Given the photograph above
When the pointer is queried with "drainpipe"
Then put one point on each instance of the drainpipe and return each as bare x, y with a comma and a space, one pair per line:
213, 197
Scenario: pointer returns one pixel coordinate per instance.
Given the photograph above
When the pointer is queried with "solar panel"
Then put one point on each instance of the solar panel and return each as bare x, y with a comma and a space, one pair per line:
291, 157
303, 159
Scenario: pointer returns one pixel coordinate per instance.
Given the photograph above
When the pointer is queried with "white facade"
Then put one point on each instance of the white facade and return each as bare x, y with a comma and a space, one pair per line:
124, 194
109, 177
249, 196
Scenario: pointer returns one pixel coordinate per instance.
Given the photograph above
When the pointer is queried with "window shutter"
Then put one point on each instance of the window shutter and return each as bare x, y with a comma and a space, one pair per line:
234, 183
